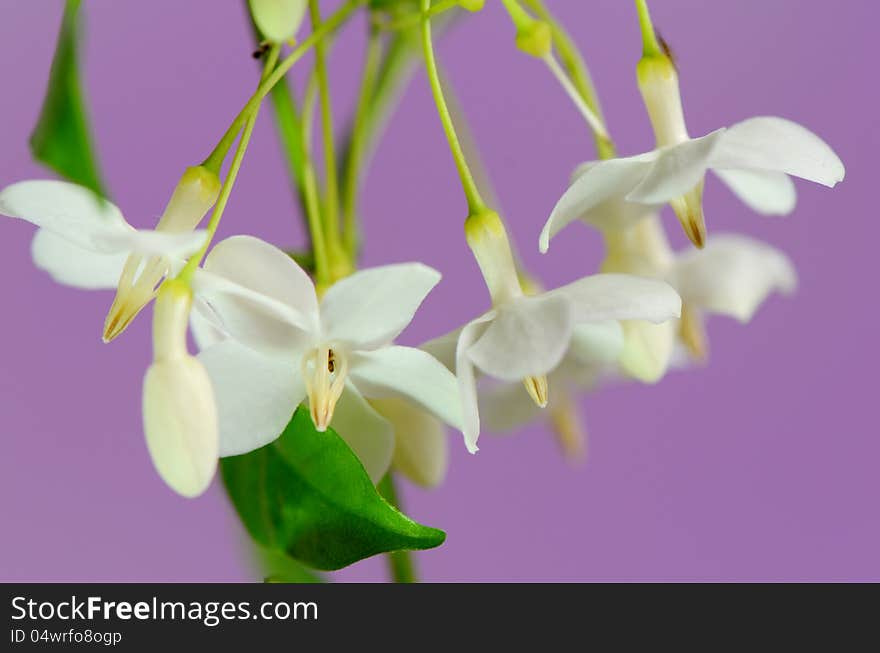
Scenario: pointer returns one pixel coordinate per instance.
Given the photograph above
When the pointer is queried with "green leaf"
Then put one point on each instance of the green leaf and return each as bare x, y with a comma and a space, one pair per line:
308, 495
281, 568
61, 138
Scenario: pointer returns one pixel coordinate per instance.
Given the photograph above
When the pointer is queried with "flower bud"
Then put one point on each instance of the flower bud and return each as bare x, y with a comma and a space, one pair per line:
658, 83
278, 20
180, 417
487, 238
472, 5
193, 197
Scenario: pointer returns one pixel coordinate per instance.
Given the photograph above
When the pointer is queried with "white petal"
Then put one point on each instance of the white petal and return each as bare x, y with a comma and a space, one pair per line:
443, 348
647, 349
597, 184
271, 275
256, 395
421, 452
528, 337
467, 381
410, 374
733, 275
69, 210
764, 191
371, 307
603, 297
677, 170
153, 243
507, 406
261, 297
72, 265
206, 327
370, 436
180, 424
776, 144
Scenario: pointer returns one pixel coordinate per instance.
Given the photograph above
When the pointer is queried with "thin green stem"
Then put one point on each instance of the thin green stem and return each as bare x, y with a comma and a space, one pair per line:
574, 64
216, 157
412, 20
592, 119
331, 182
650, 45
226, 190
358, 144
471, 192
401, 565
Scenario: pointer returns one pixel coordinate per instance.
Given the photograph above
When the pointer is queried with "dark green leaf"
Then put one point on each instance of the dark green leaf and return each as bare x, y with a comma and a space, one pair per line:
308, 495
61, 138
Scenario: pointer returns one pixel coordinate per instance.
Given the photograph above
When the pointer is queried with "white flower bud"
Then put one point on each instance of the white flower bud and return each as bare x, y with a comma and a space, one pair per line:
278, 20
180, 417
487, 237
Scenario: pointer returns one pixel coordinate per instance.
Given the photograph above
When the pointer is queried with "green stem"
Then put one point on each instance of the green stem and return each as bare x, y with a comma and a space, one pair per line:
216, 157
358, 143
650, 45
331, 183
412, 20
471, 192
193, 263
574, 64
401, 565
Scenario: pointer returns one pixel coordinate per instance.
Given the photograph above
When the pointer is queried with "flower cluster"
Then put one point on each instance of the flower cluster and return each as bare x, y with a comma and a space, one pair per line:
273, 333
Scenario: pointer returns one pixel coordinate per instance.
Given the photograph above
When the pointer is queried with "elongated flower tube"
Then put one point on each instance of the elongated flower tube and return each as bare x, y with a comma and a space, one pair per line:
283, 345
180, 416
194, 195
523, 338
278, 20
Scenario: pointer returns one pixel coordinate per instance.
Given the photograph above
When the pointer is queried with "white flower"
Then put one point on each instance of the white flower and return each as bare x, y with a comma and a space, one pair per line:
523, 338
180, 416
753, 158
731, 276
592, 353
282, 345
85, 242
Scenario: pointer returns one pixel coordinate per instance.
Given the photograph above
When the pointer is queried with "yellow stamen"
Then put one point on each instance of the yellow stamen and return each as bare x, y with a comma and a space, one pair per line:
537, 388
324, 370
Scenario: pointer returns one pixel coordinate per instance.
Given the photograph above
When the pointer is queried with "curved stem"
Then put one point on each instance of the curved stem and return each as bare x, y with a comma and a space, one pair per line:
331, 183
226, 190
472, 193
650, 45
574, 64
592, 119
358, 143
218, 154
401, 565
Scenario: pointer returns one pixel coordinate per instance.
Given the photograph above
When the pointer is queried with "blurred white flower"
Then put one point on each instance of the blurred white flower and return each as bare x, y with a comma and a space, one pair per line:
281, 345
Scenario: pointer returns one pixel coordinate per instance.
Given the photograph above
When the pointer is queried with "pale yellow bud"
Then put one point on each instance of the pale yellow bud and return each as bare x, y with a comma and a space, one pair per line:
278, 20
180, 417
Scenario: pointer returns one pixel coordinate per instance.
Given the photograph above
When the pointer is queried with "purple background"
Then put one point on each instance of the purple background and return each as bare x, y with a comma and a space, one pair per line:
761, 466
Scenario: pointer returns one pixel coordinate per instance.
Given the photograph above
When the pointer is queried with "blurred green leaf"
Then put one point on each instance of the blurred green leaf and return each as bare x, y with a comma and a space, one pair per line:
61, 138
308, 495
281, 568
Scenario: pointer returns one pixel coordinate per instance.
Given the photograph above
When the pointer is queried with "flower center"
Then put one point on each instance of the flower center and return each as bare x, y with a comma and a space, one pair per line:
537, 388
324, 370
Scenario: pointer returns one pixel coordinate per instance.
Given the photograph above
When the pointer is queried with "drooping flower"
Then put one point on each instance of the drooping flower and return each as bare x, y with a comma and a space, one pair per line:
85, 242
754, 158
592, 353
731, 276
180, 415
524, 337
282, 345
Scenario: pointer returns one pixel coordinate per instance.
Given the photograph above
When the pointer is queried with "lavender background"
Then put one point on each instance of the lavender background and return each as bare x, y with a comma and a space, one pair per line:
761, 466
